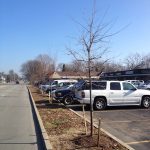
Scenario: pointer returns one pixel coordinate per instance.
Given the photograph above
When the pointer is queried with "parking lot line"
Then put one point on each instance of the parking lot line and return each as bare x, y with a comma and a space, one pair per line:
138, 142
122, 110
126, 121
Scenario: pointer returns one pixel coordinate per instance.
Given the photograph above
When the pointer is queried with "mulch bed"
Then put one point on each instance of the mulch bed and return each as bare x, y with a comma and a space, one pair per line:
66, 130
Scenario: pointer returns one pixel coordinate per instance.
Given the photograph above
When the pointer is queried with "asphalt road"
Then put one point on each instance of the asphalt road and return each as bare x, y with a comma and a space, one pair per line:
17, 126
129, 124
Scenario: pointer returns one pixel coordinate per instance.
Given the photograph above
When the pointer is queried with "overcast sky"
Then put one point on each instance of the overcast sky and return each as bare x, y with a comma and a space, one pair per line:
32, 27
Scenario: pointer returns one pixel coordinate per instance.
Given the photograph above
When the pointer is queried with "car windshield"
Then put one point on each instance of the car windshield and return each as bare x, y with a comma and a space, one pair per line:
78, 84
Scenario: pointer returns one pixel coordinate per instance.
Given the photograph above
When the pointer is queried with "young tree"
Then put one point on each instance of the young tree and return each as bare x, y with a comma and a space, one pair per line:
92, 46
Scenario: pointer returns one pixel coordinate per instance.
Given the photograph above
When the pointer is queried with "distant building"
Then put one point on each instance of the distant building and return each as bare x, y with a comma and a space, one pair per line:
136, 74
2, 79
72, 75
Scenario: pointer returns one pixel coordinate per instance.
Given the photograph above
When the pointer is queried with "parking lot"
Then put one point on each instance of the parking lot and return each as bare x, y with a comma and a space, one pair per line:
129, 124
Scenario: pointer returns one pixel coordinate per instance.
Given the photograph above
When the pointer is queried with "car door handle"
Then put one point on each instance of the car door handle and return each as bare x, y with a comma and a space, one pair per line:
111, 92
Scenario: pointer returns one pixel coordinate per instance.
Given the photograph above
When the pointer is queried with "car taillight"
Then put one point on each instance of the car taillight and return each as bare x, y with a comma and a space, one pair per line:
83, 94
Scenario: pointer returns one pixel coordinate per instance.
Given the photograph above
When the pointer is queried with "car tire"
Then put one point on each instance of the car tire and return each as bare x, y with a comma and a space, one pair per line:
146, 102
99, 104
67, 100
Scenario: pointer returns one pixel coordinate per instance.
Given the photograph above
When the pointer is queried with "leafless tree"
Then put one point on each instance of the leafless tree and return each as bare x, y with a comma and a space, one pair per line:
64, 67
113, 66
37, 69
74, 66
93, 45
12, 75
146, 60
31, 70
59, 67
134, 61
47, 64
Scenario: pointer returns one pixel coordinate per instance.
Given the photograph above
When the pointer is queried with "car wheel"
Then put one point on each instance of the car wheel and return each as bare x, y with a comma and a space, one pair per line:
67, 100
99, 104
146, 102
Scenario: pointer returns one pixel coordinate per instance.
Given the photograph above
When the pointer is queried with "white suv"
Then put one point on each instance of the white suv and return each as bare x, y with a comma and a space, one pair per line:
112, 93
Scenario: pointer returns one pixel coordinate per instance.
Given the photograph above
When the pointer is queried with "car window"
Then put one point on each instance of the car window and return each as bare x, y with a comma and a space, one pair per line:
115, 86
86, 86
63, 84
55, 83
67, 83
60, 84
128, 86
79, 84
99, 85
95, 86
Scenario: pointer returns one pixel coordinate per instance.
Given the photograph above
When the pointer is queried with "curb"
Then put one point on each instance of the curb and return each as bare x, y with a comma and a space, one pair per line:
106, 132
45, 137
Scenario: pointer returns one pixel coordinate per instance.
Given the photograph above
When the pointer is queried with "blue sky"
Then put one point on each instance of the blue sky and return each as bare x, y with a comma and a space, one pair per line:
32, 27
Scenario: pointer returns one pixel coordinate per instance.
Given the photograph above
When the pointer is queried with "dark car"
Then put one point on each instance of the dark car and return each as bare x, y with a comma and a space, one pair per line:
62, 85
66, 95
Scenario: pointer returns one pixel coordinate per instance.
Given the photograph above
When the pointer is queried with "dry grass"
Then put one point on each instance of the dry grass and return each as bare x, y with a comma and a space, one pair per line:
66, 130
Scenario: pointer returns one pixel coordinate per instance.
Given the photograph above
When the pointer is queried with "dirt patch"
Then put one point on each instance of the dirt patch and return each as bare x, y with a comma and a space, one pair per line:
66, 130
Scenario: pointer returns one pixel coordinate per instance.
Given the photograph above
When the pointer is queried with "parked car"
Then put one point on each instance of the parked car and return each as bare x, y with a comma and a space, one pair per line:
63, 95
66, 95
112, 93
145, 86
45, 85
58, 84
136, 83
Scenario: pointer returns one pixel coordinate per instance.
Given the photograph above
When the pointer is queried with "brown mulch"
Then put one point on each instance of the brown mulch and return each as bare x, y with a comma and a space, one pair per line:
66, 130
